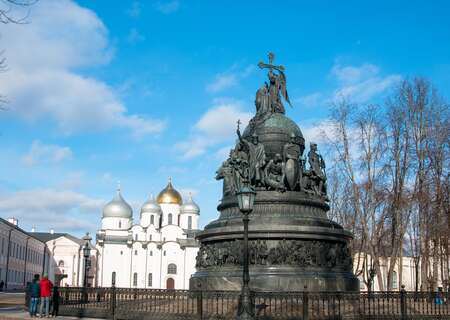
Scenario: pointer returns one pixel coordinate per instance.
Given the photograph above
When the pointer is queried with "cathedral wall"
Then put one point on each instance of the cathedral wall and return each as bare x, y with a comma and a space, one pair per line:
191, 254
154, 256
170, 209
116, 258
171, 233
184, 221
139, 261
116, 223
173, 254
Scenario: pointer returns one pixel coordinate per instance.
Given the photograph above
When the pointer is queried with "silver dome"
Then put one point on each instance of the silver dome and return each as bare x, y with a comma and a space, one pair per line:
190, 206
151, 206
117, 208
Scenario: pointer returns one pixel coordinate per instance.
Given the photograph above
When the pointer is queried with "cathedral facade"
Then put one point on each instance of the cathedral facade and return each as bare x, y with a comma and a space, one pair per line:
158, 252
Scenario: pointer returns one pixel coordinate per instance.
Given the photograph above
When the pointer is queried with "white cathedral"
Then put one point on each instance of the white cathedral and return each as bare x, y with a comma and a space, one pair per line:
159, 252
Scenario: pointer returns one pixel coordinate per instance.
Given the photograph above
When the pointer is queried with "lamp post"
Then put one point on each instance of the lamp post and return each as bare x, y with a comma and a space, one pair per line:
86, 254
246, 199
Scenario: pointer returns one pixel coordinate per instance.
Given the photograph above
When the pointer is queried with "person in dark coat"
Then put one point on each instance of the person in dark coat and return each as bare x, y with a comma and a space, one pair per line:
35, 294
55, 301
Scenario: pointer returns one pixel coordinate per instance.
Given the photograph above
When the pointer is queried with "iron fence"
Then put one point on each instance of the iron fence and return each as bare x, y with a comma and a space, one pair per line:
126, 303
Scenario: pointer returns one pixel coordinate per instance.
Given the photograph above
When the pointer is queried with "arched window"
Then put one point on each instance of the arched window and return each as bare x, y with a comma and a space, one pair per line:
120, 224
394, 280
151, 253
136, 237
152, 219
150, 279
189, 223
61, 263
179, 219
135, 279
172, 268
113, 278
135, 252
169, 219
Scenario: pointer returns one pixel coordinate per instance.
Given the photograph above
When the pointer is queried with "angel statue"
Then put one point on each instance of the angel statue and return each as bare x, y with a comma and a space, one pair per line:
277, 85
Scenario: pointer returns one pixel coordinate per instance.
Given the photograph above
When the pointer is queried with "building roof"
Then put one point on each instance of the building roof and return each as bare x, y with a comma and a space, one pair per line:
47, 236
20, 229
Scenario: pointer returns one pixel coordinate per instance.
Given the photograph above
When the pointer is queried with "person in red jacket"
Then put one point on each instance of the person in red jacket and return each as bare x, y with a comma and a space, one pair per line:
46, 292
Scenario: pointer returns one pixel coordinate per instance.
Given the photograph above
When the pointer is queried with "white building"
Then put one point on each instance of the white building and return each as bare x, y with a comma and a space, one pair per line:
406, 272
67, 263
157, 252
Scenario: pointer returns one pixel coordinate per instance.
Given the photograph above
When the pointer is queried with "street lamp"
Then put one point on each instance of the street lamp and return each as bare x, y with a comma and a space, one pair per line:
246, 199
86, 254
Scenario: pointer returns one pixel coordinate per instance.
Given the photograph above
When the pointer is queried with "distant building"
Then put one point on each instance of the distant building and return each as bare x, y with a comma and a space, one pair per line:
21, 255
406, 273
67, 263
157, 252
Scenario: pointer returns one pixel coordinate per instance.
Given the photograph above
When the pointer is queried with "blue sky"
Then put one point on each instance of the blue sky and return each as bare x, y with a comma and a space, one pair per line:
144, 90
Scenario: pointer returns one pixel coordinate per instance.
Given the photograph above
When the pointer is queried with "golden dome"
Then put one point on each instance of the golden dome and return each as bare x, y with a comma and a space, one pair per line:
169, 195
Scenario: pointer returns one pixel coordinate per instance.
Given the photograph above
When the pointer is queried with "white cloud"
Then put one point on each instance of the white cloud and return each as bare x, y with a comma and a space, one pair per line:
167, 7
361, 83
317, 131
46, 153
42, 81
49, 208
353, 74
222, 82
135, 10
312, 100
229, 79
72, 181
215, 126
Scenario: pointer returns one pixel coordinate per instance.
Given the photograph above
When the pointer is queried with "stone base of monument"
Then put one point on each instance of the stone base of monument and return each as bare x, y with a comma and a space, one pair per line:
278, 279
292, 244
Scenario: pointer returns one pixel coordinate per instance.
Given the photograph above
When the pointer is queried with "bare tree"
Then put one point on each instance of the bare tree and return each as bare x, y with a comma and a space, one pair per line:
357, 141
8, 15
7, 7
389, 182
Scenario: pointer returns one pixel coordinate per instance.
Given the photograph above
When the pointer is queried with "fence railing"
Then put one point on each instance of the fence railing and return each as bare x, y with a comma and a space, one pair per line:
125, 303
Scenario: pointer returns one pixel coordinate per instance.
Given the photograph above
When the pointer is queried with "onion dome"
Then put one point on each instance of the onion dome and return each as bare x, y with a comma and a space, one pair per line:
169, 195
151, 206
117, 207
190, 206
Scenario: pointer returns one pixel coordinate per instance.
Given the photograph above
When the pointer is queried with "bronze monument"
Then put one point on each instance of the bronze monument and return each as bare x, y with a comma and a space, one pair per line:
292, 243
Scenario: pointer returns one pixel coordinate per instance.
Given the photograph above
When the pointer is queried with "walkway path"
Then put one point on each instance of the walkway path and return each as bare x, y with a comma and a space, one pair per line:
12, 307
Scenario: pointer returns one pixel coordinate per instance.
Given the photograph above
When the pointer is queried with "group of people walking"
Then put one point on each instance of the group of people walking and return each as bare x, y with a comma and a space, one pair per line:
42, 292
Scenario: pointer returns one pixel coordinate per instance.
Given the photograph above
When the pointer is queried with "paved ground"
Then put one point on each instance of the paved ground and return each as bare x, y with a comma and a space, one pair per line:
12, 307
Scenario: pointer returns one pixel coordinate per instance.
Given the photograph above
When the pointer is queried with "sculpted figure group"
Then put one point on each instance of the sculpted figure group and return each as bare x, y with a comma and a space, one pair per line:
249, 164
301, 253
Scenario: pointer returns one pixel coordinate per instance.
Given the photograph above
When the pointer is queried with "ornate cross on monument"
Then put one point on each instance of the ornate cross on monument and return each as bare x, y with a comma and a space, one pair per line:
270, 65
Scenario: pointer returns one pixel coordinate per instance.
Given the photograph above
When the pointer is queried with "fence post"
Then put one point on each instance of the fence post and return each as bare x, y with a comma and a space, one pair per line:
403, 303
305, 303
113, 301
200, 304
